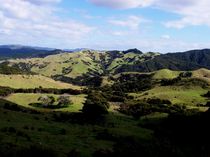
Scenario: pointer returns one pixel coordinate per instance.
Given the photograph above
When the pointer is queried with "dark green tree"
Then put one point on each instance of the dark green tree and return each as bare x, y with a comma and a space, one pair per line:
95, 104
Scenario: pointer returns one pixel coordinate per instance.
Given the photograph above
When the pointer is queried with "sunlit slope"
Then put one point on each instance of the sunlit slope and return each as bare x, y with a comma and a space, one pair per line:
166, 74
32, 81
66, 64
203, 74
82, 63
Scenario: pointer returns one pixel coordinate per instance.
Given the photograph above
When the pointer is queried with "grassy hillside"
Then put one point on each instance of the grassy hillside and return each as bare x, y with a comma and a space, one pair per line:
190, 96
66, 64
166, 74
82, 63
24, 99
203, 74
32, 81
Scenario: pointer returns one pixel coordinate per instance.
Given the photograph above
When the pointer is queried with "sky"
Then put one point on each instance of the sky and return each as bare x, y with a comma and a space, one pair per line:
149, 25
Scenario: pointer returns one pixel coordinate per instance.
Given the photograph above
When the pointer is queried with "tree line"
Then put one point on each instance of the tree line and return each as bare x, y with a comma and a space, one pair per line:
5, 91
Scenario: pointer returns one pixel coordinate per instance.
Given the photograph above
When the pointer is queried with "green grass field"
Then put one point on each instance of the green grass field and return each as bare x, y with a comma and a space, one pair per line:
32, 81
23, 99
177, 95
166, 74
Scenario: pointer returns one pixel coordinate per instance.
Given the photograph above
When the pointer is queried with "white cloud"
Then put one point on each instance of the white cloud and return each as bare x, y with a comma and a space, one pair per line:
122, 4
193, 12
119, 33
165, 36
41, 2
132, 22
25, 21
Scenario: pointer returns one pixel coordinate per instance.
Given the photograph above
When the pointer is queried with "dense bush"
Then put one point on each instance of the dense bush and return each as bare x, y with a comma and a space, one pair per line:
91, 80
6, 69
185, 74
95, 104
184, 82
51, 103
64, 101
46, 100
4, 91
207, 94
133, 83
170, 82
141, 108
158, 101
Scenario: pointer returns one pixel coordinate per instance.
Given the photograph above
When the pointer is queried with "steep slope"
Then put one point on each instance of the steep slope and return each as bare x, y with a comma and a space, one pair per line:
185, 61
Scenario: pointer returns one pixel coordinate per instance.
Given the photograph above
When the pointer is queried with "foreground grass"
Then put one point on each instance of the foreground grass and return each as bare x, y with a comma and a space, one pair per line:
24, 99
63, 137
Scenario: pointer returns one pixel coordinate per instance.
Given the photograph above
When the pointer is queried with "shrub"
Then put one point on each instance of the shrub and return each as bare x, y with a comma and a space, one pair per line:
64, 101
96, 104
46, 100
207, 94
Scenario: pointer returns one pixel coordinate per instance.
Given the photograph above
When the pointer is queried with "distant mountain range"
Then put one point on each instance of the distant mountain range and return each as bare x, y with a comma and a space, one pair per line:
21, 51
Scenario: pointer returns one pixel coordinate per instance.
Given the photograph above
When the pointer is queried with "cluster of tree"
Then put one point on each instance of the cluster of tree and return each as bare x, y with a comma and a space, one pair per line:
96, 104
51, 102
179, 81
84, 80
141, 108
207, 94
112, 95
49, 90
133, 83
4, 91
6, 69
170, 82
185, 74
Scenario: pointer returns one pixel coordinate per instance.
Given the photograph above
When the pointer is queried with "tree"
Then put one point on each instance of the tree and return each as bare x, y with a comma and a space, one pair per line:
64, 101
140, 109
46, 100
95, 104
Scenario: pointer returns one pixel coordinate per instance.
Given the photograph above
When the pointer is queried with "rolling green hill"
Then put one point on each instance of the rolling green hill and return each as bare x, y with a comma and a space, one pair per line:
87, 63
32, 81
82, 64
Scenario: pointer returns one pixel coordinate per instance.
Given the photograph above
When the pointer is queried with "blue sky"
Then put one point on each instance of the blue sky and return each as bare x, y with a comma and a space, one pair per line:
149, 25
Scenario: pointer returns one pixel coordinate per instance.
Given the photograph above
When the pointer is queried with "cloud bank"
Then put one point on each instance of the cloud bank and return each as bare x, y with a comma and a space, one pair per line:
192, 12
36, 21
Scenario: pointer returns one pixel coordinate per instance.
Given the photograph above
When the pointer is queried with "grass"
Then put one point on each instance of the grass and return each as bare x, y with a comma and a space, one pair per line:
166, 74
54, 64
24, 99
177, 95
32, 81
203, 74
43, 131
